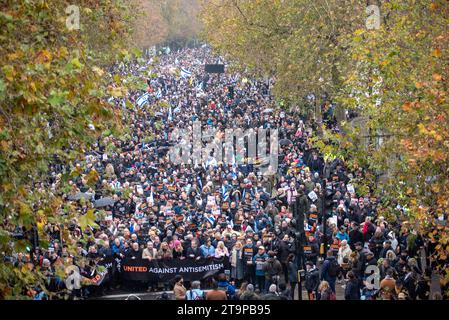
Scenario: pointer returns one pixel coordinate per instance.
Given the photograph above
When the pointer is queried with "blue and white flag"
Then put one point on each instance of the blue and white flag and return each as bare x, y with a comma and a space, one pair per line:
170, 116
159, 93
185, 73
224, 193
151, 198
199, 86
211, 219
198, 179
142, 100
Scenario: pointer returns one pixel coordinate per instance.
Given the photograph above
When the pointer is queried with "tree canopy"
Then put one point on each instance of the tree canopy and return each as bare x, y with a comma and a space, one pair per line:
53, 89
392, 74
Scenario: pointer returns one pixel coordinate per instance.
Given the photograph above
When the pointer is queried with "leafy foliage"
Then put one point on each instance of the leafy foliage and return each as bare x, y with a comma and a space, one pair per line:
394, 78
53, 85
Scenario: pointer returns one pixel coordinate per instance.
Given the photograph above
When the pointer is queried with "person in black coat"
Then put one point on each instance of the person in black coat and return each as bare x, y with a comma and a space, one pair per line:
194, 252
355, 235
312, 280
352, 290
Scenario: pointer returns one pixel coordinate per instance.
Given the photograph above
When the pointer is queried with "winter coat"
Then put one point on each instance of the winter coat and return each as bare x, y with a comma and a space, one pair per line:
352, 290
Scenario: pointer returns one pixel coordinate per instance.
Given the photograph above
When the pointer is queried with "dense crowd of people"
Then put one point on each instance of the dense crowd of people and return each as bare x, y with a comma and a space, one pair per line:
304, 226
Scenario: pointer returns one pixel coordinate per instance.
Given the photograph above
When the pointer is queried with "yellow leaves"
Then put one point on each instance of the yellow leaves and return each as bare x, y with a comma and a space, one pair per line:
9, 72
407, 107
358, 32
33, 86
435, 188
15, 56
419, 85
437, 77
433, 6
116, 91
43, 57
98, 71
4, 145
63, 52
422, 129
437, 52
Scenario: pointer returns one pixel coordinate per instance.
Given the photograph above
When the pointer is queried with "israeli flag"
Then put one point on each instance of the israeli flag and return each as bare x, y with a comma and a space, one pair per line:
151, 198
224, 193
198, 179
170, 115
159, 93
185, 73
199, 86
142, 100
211, 219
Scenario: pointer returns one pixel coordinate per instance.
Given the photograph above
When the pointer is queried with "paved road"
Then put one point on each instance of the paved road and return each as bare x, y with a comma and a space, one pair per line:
121, 295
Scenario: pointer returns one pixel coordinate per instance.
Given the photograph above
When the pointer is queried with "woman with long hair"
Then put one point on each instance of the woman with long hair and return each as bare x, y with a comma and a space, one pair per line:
221, 250
325, 291
237, 271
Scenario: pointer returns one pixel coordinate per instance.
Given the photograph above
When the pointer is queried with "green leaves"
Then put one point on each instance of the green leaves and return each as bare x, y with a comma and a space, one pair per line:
74, 64
2, 89
51, 90
87, 220
8, 70
57, 98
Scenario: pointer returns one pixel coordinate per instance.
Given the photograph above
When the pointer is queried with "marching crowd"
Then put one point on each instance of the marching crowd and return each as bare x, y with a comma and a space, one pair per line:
304, 226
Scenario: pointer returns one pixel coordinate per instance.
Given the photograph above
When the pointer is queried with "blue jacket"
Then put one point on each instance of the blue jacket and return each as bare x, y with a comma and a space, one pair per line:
207, 252
259, 266
324, 270
116, 249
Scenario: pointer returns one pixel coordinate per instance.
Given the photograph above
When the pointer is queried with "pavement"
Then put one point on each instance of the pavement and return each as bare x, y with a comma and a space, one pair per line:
122, 295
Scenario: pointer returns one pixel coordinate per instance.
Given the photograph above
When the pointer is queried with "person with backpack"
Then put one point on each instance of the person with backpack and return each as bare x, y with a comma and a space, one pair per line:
329, 270
195, 292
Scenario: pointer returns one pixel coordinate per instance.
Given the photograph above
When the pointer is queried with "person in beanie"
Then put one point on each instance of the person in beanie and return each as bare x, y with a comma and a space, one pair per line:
249, 293
312, 280
272, 293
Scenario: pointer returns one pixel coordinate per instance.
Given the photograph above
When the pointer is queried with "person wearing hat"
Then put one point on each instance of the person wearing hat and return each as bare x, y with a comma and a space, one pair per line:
258, 261
273, 270
249, 293
370, 260
311, 280
272, 293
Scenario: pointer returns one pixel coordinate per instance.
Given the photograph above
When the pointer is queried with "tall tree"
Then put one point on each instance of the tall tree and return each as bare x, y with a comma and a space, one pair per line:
53, 87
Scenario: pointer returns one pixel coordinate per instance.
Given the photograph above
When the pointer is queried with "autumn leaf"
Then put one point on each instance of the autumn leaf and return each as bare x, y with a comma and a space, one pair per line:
8, 70
437, 77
